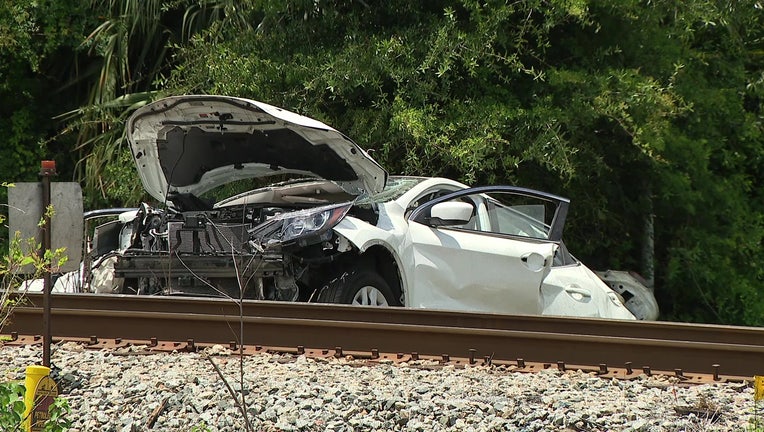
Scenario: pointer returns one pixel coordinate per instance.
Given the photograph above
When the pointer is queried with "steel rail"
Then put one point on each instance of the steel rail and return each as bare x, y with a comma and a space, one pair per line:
638, 329
661, 346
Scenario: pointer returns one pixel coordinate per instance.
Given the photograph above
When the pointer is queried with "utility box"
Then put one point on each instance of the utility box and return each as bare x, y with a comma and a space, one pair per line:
25, 212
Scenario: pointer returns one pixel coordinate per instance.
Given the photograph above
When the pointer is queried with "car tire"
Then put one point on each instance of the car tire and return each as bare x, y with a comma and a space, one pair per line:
361, 286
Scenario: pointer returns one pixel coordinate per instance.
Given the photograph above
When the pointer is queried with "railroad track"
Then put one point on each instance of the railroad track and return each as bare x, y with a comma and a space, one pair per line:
622, 349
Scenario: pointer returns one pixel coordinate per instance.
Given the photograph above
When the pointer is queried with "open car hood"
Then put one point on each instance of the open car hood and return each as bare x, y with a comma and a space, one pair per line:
193, 143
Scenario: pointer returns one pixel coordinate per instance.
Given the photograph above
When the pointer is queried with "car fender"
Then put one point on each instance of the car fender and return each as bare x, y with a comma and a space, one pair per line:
364, 235
574, 290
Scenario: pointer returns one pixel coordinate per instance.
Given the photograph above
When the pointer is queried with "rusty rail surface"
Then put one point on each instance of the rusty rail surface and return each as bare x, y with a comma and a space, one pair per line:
682, 348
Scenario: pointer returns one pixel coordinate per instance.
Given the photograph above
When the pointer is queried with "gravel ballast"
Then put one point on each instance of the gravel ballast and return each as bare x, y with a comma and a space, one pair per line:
124, 390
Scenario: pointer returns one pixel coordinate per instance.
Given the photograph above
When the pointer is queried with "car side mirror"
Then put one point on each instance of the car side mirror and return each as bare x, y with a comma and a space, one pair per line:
448, 213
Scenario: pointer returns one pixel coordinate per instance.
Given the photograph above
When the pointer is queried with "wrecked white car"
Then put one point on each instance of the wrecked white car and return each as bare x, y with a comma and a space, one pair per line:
332, 227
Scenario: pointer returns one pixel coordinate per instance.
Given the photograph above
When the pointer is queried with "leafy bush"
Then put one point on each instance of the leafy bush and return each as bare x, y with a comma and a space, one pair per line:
12, 410
11, 405
24, 253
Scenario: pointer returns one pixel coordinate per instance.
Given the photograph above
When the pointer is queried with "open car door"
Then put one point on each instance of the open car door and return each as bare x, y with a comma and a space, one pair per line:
485, 249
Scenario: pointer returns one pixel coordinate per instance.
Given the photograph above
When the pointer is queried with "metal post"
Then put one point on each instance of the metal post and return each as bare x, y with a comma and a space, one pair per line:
47, 169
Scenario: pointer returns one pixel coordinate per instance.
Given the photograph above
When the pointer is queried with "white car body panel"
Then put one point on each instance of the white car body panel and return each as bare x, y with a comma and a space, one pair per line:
639, 299
471, 271
576, 290
389, 231
453, 269
205, 158
69, 282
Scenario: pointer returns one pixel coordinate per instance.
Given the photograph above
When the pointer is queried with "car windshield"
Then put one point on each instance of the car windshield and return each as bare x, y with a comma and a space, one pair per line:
394, 189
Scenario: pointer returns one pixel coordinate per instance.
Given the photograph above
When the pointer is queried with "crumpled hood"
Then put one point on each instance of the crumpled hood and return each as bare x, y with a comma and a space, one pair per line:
193, 143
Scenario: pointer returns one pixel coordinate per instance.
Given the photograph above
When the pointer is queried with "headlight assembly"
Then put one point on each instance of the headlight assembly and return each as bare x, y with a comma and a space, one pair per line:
311, 222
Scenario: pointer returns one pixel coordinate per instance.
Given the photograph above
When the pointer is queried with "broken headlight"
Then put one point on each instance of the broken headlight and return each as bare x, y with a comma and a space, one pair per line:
297, 226
311, 222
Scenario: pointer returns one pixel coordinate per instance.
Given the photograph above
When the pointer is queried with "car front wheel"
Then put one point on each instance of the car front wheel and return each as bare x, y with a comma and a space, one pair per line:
361, 287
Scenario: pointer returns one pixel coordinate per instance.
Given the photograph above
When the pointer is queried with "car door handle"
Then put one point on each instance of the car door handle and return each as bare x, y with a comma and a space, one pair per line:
576, 291
533, 261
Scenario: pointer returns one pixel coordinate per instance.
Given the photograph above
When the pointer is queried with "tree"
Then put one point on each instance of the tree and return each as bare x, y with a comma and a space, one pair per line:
638, 111
611, 104
130, 53
38, 42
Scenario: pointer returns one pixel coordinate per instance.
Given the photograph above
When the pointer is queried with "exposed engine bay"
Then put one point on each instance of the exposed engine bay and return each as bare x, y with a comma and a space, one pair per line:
195, 249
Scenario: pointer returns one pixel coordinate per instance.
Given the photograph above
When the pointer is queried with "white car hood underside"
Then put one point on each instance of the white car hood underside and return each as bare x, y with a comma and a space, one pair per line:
193, 143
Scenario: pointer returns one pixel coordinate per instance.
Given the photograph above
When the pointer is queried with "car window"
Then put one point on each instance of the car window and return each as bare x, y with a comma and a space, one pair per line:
519, 215
508, 213
505, 210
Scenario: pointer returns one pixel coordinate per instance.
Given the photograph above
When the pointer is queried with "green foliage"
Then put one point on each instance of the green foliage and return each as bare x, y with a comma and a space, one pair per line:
131, 48
12, 409
630, 108
22, 261
11, 405
38, 42
424, 86
23, 253
59, 416
755, 424
201, 427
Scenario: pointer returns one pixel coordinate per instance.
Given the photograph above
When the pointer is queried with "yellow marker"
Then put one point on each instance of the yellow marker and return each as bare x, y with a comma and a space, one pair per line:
40, 392
758, 388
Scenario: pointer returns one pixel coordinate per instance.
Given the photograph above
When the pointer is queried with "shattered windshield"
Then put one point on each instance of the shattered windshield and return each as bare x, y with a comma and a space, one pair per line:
394, 189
